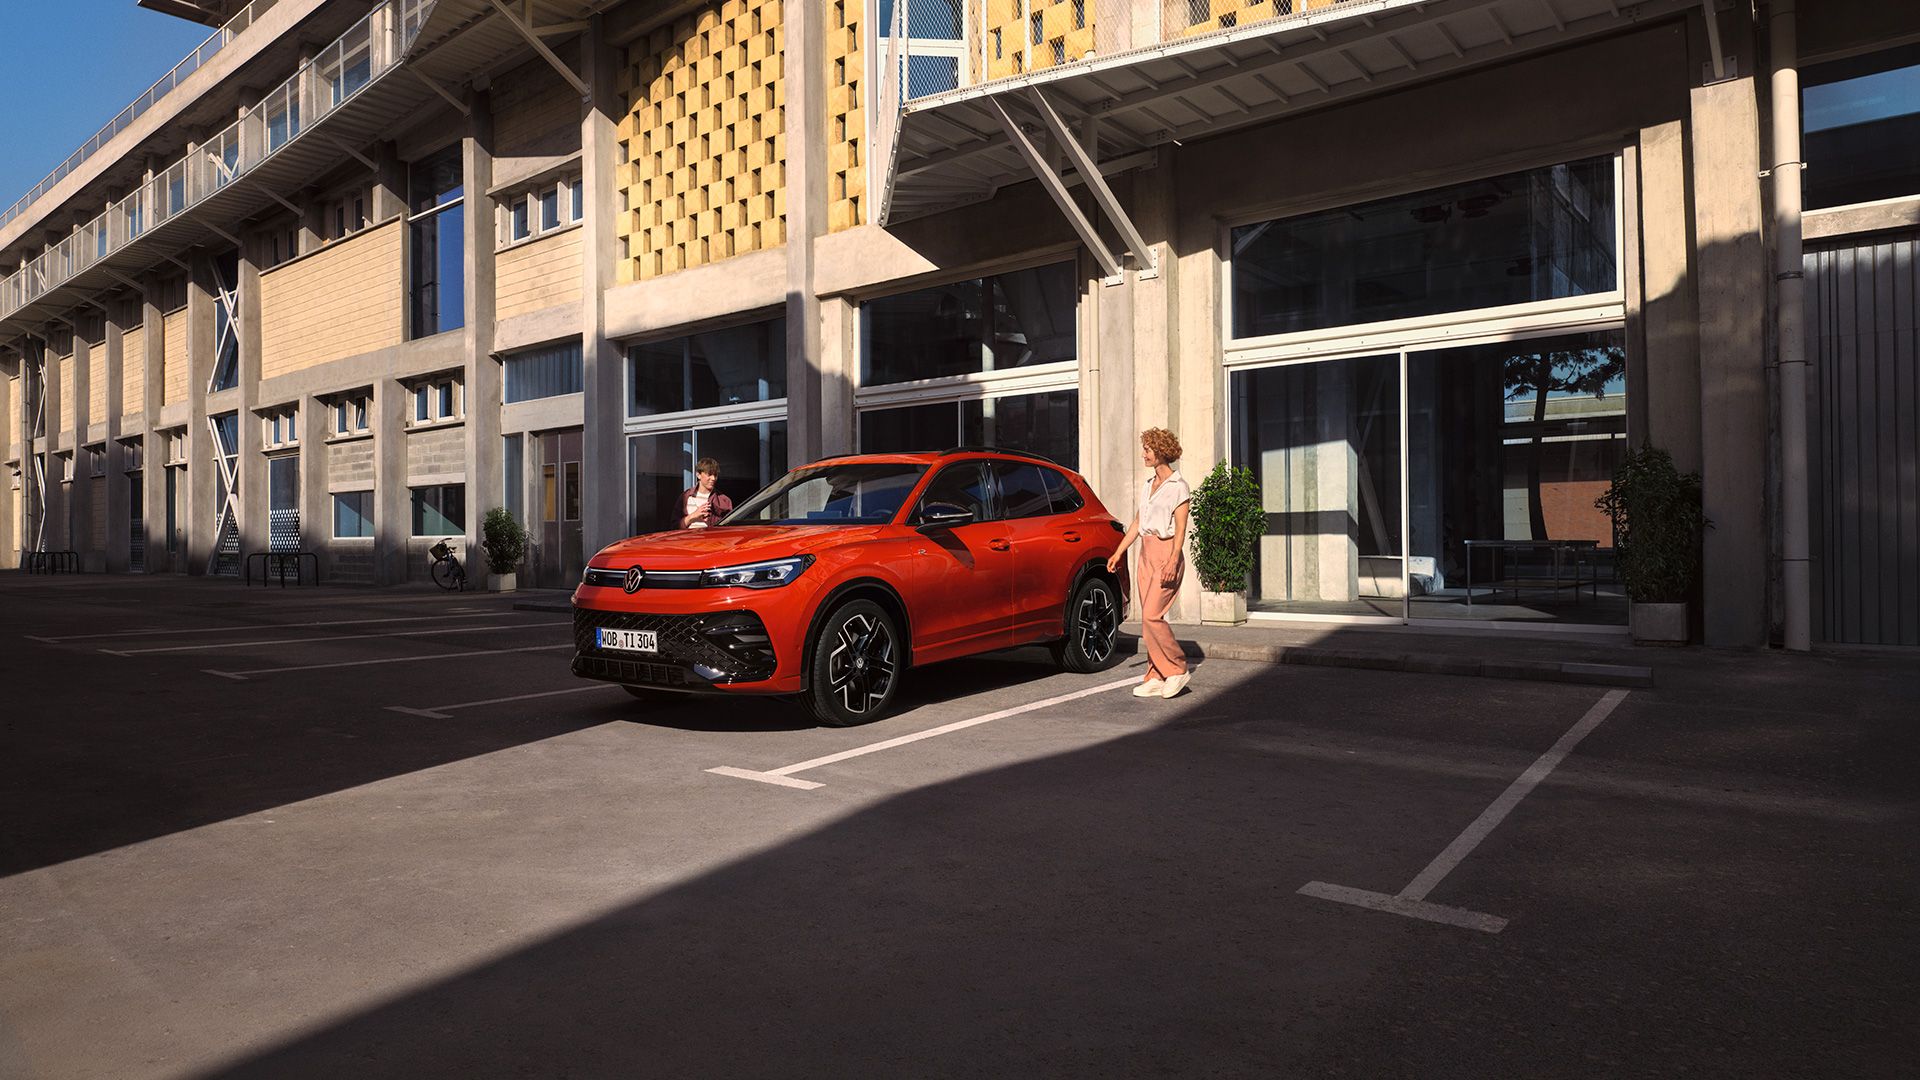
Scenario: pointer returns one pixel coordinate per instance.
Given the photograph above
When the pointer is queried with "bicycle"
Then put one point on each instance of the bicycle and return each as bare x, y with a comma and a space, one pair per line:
445, 569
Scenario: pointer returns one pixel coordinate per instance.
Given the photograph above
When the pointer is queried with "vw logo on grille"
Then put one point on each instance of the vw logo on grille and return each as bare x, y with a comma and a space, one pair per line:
634, 576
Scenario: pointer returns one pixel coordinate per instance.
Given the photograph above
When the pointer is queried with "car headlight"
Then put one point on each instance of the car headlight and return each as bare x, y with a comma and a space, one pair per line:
761, 575
612, 579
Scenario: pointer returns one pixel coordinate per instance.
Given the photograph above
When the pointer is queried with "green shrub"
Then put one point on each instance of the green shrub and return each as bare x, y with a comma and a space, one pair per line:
1657, 526
1227, 521
504, 540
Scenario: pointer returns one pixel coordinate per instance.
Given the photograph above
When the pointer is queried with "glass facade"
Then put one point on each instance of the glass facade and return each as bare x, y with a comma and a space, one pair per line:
751, 456
1020, 319
1542, 234
708, 370
438, 234
1046, 423
1861, 119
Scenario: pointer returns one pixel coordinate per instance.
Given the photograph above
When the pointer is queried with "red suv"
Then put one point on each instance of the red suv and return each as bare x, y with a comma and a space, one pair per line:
844, 573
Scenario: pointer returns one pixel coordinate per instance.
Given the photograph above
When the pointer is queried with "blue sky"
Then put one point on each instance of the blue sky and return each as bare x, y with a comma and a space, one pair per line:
66, 67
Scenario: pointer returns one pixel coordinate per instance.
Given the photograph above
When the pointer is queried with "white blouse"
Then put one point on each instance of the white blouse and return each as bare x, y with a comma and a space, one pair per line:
1157, 507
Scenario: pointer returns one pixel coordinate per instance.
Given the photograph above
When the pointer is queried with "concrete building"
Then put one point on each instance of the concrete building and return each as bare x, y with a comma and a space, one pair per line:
356, 272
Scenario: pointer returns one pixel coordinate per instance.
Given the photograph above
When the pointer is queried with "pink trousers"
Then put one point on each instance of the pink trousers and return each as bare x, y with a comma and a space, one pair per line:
1162, 565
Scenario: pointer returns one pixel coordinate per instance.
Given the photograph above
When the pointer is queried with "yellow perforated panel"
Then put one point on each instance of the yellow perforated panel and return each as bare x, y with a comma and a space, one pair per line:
1033, 35
704, 135
846, 114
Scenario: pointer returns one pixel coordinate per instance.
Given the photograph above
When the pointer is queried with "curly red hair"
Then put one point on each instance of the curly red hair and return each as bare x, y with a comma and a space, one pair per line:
1162, 443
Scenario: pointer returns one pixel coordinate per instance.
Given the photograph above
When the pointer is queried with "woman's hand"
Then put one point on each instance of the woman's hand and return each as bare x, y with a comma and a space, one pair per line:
1113, 562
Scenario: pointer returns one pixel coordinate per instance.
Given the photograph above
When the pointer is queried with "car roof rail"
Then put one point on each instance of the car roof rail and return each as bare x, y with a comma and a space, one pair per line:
1008, 451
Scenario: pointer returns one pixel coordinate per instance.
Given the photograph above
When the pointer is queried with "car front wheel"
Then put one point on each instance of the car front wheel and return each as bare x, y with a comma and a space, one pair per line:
1093, 627
856, 665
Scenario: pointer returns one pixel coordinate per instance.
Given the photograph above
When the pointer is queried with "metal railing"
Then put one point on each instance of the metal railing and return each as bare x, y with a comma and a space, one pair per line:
365, 52
161, 88
943, 45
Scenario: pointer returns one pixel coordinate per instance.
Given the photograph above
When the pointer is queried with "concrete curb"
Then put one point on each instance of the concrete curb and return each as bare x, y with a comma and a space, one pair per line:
1530, 670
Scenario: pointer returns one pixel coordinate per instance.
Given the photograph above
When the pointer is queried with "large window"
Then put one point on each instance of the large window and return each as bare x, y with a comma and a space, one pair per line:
1046, 423
440, 510
438, 233
1543, 234
353, 514
1861, 118
734, 366
989, 361
1021, 319
751, 456
548, 371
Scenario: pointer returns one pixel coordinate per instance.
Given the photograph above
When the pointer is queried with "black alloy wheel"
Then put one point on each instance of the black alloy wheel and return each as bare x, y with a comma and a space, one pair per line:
1093, 628
856, 665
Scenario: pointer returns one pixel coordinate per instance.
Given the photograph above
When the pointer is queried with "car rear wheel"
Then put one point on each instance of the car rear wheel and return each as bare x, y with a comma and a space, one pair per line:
1093, 628
856, 665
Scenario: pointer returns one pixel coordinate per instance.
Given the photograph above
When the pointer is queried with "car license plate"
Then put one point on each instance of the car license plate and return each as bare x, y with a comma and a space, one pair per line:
627, 640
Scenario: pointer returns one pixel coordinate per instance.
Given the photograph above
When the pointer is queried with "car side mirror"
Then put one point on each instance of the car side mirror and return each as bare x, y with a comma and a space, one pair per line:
944, 517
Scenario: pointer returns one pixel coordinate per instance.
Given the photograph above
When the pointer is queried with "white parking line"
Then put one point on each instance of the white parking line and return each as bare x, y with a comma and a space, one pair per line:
1411, 901
783, 776
242, 676
439, 712
165, 632
331, 637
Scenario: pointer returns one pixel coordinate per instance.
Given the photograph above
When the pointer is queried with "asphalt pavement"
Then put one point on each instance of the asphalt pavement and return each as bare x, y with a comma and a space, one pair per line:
332, 832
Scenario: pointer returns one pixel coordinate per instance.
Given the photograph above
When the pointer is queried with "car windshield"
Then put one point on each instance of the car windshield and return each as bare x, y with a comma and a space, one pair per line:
857, 493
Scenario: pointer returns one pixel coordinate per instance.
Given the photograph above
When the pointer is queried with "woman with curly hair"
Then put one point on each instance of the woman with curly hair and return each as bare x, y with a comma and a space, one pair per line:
1161, 527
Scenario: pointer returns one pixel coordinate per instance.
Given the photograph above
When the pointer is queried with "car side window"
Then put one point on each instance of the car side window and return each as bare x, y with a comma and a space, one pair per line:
1022, 489
1061, 492
958, 487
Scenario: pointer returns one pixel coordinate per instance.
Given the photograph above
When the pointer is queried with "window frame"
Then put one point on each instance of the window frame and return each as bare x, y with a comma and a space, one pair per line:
371, 507
413, 510
567, 193
441, 397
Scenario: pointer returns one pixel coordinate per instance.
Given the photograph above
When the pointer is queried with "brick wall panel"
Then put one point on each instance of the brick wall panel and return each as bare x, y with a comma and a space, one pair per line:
538, 275
173, 361
133, 371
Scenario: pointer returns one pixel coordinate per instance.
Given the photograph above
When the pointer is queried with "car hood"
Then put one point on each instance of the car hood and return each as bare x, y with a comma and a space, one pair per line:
727, 545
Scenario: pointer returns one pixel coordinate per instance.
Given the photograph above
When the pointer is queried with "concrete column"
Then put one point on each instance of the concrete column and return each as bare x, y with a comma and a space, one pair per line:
316, 506
155, 475
199, 513
1194, 381
254, 503
59, 434
1731, 262
604, 452
483, 373
1669, 313
806, 177
81, 494
838, 365
119, 512
12, 443
389, 183
390, 520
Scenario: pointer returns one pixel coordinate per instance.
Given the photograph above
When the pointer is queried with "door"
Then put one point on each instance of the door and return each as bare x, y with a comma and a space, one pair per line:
1863, 342
963, 586
1047, 549
559, 557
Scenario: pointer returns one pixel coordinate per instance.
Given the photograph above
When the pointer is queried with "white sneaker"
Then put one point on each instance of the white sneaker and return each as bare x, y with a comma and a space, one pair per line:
1150, 688
1176, 684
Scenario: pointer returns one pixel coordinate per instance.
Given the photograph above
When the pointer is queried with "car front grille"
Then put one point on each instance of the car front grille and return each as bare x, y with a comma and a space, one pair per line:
718, 648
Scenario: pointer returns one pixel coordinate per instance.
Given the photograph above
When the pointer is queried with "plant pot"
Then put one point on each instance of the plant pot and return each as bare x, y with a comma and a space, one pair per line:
1222, 608
1657, 624
502, 582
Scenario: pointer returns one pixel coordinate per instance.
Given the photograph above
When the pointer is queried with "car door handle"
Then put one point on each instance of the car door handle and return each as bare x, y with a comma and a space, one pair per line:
1000, 544
1072, 537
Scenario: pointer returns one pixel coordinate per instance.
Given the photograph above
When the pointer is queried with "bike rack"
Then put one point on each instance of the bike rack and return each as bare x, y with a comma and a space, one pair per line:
53, 562
278, 561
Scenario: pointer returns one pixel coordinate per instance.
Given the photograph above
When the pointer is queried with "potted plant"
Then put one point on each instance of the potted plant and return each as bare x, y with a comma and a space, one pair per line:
1657, 528
505, 543
1227, 521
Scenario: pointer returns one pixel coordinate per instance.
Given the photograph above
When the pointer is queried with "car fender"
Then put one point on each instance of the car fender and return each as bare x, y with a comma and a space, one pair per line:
868, 582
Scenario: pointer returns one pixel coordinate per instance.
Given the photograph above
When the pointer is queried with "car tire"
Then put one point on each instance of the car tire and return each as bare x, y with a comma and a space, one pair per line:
1093, 628
856, 667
